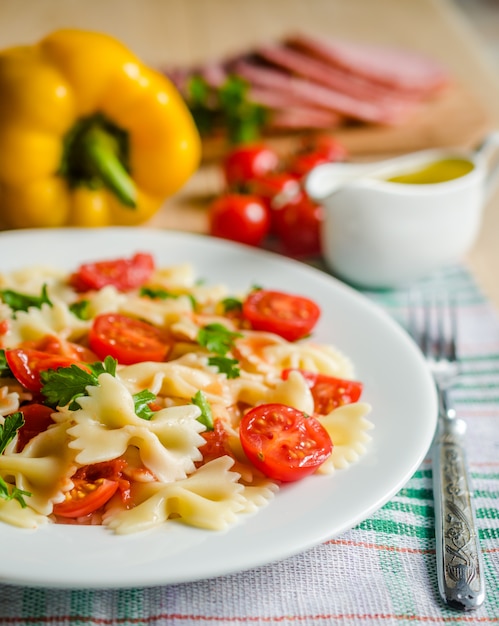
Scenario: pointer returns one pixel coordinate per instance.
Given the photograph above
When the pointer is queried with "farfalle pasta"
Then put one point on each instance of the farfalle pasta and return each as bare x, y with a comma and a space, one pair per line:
123, 396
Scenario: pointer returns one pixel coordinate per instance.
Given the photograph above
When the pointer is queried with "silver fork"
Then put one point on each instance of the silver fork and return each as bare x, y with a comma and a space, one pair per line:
459, 562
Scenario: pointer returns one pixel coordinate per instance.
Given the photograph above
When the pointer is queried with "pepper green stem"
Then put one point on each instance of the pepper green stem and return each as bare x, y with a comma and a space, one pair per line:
101, 156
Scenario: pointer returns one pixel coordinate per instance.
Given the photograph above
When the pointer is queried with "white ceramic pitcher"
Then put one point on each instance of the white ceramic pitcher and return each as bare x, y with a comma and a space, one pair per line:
381, 234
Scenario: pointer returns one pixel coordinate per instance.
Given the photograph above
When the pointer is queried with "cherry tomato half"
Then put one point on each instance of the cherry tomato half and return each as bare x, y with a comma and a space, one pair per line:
248, 161
123, 273
328, 392
282, 442
94, 486
239, 217
37, 418
52, 344
127, 339
292, 317
27, 364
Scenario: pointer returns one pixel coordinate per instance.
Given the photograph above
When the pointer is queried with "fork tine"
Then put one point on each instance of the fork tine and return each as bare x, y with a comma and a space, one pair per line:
433, 325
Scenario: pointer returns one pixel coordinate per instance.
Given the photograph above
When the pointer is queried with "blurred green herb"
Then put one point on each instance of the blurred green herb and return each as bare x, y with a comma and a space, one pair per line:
227, 108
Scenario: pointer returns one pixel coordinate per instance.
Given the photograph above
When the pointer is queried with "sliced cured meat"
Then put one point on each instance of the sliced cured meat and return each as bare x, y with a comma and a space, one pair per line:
316, 70
286, 112
319, 96
296, 118
399, 69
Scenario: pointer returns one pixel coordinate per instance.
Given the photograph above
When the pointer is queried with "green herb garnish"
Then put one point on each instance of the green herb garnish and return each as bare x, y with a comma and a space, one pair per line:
22, 301
141, 401
229, 367
65, 385
232, 304
217, 338
10, 492
81, 309
9, 428
206, 417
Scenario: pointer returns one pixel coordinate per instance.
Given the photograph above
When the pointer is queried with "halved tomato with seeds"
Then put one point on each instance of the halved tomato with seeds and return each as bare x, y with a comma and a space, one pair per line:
93, 486
127, 339
292, 317
26, 365
283, 442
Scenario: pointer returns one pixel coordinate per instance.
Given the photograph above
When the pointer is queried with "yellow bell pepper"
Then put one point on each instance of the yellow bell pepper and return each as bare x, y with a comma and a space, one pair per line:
89, 135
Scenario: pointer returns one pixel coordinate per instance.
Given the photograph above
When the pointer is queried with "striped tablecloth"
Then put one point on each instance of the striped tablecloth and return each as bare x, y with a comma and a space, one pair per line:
382, 572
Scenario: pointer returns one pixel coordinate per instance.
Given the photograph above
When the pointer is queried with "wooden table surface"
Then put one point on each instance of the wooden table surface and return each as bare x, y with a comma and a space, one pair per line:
170, 32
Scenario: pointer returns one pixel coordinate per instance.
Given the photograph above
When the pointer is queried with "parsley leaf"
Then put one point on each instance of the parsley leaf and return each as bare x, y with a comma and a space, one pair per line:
81, 309
227, 366
206, 417
22, 302
141, 401
9, 492
227, 107
162, 294
65, 385
232, 304
9, 428
4, 366
217, 338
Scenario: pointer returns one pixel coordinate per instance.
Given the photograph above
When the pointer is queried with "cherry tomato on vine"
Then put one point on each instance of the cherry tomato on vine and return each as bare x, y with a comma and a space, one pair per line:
94, 486
282, 442
292, 317
248, 161
127, 339
26, 365
239, 217
298, 224
315, 151
123, 273
328, 392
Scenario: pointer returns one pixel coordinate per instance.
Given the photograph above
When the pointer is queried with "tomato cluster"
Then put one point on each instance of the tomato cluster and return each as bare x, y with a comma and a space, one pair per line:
266, 200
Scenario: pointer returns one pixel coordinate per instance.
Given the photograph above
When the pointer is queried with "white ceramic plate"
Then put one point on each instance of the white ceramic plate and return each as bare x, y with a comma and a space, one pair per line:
303, 514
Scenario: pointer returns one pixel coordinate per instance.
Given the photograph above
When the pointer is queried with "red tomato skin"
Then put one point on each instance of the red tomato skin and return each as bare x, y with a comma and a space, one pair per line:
95, 499
128, 340
52, 344
37, 418
96, 484
298, 225
124, 273
328, 392
292, 317
284, 443
248, 161
239, 217
27, 364
315, 151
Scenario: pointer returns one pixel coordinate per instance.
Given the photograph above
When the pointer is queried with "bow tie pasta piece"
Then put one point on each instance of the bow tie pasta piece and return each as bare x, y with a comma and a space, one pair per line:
9, 401
43, 468
161, 313
37, 323
210, 498
107, 424
266, 353
174, 380
348, 428
293, 392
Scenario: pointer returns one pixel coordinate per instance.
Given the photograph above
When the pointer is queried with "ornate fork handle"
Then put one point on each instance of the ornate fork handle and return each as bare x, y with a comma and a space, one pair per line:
459, 562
